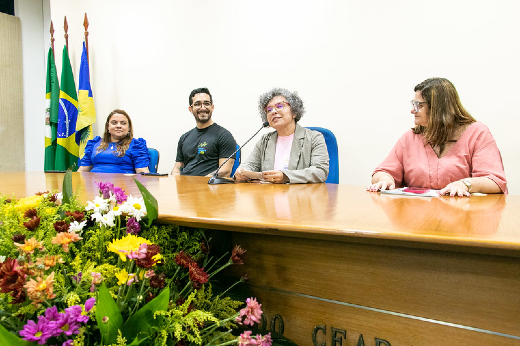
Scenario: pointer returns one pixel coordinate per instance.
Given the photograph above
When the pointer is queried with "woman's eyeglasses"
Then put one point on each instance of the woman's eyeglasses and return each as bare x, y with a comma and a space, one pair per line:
416, 104
277, 106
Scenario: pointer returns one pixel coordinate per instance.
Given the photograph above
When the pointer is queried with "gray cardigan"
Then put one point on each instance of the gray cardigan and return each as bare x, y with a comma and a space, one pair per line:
308, 162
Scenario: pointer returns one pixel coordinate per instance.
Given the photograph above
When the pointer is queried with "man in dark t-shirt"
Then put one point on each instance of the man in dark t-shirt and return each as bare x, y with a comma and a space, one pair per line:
204, 148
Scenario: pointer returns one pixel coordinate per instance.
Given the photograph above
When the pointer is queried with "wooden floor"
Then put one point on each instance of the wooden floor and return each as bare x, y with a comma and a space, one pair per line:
342, 266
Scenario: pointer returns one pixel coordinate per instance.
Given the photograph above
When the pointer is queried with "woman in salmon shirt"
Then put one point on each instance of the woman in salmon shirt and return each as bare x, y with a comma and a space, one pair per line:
447, 149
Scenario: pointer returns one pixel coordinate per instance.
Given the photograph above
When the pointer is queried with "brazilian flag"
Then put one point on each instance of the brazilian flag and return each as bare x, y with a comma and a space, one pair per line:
51, 112
87, 112
67, 149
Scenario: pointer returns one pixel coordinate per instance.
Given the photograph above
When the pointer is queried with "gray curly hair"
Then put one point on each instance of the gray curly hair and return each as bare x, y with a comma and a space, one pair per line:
292, 98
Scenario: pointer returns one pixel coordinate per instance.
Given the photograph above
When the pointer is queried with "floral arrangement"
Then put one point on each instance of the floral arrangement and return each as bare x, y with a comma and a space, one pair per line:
105, 274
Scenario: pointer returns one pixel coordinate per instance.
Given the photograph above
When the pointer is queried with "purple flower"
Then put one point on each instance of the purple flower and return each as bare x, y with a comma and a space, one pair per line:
89, 304
120, 195
51, 314
132, 226
75, 313
67, 324
105, 189
38, 332
77, 278
68, 343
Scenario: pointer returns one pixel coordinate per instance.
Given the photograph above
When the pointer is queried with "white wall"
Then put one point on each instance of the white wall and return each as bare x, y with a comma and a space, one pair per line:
354, 63
31, 14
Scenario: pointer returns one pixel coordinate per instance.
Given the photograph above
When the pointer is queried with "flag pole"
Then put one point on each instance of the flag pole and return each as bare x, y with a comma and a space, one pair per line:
52, 39
66, 28
85, 25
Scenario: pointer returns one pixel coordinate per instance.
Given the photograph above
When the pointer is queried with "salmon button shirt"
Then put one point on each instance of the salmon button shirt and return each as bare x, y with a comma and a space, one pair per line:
475, 154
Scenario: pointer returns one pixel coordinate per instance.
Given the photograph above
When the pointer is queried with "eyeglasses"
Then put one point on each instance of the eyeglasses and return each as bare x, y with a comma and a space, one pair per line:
416, 104
277, 106
206, 104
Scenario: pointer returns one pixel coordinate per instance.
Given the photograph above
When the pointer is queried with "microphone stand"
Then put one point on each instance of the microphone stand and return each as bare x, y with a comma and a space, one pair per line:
215, 179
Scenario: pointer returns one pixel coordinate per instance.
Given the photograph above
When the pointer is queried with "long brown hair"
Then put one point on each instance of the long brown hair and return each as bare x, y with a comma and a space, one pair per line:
122, 145
446, 111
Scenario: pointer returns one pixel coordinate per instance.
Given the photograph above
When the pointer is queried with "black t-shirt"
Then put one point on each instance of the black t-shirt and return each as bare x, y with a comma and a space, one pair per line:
200, 149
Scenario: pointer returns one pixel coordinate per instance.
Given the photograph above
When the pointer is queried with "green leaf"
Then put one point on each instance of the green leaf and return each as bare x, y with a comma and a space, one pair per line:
143, 319
107, 307
67, 186
152, 208
10, 339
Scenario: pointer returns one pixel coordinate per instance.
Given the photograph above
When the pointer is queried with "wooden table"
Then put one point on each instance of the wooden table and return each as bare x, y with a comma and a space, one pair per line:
336, 265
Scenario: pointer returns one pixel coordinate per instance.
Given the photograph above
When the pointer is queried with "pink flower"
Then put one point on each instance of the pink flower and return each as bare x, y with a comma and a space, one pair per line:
245, 339
139, 254
96, 279
252, 313
265, 340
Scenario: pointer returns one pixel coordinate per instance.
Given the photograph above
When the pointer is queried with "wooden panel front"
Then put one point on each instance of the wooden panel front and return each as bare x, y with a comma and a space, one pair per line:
477, 291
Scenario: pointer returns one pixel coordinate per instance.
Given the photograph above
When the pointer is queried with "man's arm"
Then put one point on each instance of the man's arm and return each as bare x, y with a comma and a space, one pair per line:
225, 171
177, 168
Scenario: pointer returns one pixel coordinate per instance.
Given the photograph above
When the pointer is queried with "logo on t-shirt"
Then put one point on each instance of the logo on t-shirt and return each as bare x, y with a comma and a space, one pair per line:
202, 148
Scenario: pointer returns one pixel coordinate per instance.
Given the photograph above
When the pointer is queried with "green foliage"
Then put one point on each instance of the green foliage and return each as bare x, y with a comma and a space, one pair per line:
7, 338
144, 319
150, 202
108, 316
67, 187
172, 239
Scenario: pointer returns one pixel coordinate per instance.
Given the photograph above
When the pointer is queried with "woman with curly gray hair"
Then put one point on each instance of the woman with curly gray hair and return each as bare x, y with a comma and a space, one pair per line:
291, 154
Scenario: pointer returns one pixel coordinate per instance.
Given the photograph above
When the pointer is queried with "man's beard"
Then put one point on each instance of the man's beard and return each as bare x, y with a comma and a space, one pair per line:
203, 120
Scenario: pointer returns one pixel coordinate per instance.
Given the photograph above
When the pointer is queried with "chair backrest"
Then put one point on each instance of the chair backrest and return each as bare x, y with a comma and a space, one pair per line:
237, 161
332, 148
154, 160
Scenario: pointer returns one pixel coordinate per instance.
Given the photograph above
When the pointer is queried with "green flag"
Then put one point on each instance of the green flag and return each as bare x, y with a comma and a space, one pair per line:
67, 149
51, 112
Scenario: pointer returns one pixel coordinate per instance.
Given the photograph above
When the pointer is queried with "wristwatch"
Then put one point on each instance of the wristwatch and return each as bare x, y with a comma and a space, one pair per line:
467, 183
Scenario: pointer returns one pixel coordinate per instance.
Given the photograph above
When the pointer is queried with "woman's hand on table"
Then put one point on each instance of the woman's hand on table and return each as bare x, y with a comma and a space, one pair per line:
457, 188
275, 177
381, 181
239, 177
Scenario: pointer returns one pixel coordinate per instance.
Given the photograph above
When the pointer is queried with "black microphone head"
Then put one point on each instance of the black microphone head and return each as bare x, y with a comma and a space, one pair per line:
265, 124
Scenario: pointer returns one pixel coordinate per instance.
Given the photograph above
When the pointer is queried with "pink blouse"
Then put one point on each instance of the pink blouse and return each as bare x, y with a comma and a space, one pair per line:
475, 154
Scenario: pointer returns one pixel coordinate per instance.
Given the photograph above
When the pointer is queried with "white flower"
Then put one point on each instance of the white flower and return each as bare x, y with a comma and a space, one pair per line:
112, 197
117, 210
75, 226
59, 197
106, 220
98, 205
134, 206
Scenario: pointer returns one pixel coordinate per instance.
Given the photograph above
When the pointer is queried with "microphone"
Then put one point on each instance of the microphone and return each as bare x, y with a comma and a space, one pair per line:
215, 179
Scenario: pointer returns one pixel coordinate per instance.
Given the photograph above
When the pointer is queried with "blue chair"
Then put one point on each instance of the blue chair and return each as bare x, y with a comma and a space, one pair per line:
237, 161
154, 160
332, 148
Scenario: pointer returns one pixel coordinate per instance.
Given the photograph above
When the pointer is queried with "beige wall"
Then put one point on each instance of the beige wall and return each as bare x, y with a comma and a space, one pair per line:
354, 63
12, 151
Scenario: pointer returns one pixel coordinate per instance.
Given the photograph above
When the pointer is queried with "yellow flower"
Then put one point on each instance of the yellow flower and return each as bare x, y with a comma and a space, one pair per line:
126, 244
122, 277
50, 211
27, 203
